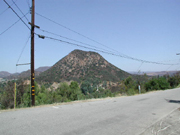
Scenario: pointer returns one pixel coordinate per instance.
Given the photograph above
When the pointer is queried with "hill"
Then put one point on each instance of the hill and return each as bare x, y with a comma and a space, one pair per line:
42, 69
80, 66
161, 73
156, 73
26, 74
4, 74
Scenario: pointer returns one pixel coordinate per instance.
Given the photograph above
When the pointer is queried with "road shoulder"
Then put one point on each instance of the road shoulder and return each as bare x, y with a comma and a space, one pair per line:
169, 125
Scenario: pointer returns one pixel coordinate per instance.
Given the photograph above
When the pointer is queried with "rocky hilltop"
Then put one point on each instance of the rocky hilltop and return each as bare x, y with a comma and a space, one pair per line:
83, 65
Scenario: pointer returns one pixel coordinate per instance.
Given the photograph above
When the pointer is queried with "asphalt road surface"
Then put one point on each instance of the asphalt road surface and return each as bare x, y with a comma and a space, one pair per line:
131, 115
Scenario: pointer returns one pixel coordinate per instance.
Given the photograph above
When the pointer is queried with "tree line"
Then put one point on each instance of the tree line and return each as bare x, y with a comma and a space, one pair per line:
46, 94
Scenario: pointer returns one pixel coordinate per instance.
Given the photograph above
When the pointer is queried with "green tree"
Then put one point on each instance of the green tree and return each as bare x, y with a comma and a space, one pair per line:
174, 80
159, 83
76, 93
43, 89
151, 85
26, 102
86, 88
63, 90
74, 85
163, 83
37, 88
104, 84
7, 97
129, 82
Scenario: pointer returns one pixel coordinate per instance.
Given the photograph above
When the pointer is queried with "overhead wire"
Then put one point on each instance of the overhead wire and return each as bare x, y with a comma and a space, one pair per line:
139, 68
121, 54
20, 18
71, 39
7, 8
12, 25
20, 10
168, 68
144, 61
28, 3
23, 49
4, 11
80, 34
98, 50
17, 15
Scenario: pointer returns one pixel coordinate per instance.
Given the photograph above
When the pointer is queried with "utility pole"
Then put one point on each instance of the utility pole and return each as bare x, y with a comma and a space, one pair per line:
32, 55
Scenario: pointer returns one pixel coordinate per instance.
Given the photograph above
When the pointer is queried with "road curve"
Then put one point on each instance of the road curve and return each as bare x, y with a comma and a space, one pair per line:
112, 116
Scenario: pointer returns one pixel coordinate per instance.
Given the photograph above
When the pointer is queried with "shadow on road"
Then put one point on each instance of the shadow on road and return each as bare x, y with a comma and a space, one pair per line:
173, 101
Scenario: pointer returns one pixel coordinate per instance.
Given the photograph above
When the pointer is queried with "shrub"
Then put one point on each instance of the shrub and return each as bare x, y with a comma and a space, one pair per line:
86, 88
131, 91
157, 84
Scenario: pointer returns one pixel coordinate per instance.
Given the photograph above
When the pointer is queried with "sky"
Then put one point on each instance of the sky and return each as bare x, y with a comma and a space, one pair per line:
148, 30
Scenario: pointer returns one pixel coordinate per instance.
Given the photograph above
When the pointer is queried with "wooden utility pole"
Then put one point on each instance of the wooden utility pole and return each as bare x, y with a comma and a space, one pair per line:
32, 55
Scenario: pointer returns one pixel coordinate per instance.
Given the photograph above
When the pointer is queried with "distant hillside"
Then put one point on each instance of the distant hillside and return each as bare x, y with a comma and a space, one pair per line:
26, 74
4, 74
161, 73
42, 69
81, 65
156, 73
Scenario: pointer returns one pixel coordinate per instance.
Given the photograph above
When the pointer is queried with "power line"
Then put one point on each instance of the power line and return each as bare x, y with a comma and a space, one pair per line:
168, 68
121, 54
82, 35
19, 9
11, 25
139, 67
89, 39
28, 3
7, 8
97, 50
71, 39
23, 50
4, 11
17, 15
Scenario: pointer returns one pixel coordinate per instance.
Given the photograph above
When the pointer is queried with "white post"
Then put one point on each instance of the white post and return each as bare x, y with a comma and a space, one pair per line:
139, 86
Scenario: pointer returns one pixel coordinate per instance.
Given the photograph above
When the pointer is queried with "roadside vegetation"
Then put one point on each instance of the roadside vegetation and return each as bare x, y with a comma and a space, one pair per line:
46, 94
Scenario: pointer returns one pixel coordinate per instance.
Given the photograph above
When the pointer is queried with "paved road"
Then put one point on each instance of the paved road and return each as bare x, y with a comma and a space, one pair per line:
114, 116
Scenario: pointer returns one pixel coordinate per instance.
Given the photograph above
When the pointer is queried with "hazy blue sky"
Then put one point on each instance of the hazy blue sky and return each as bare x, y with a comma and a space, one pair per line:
143, 29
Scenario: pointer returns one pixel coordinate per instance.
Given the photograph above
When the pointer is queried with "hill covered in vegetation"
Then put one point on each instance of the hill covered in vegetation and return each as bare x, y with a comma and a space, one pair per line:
80, 66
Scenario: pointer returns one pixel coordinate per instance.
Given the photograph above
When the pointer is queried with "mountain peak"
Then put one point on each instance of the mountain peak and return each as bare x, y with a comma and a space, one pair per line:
83, 65
82, 54
81, 51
